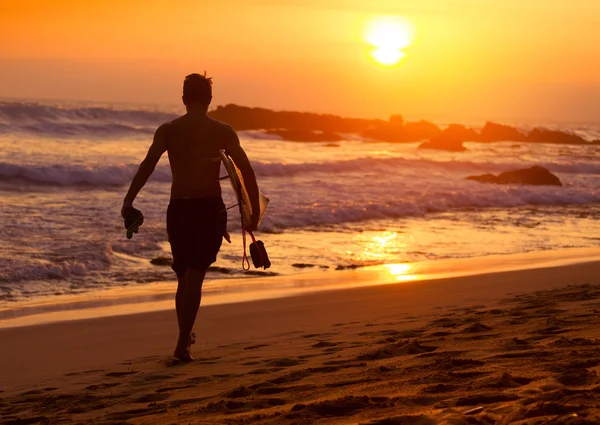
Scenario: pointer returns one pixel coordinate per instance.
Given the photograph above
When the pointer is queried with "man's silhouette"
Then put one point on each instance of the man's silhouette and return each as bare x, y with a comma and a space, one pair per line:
196, 216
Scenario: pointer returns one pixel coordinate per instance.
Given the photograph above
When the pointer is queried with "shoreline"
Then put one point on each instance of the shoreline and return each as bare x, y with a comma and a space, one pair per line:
386, 350
159, 296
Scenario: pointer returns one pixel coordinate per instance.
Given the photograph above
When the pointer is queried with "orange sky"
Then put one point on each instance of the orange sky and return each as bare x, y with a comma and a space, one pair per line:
470, 59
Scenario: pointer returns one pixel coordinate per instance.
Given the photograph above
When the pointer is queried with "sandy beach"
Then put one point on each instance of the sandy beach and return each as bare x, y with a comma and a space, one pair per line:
510, 347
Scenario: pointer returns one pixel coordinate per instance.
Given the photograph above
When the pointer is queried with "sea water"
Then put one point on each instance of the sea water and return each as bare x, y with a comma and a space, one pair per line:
65, 167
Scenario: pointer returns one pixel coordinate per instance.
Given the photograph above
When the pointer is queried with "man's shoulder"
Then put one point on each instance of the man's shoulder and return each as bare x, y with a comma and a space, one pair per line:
220, 124
174, 123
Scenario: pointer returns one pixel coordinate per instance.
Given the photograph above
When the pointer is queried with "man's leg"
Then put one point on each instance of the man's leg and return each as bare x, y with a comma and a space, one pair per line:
179, 299
189, 303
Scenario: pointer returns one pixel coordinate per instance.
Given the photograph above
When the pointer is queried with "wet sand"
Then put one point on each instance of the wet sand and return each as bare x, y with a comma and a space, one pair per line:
518, 347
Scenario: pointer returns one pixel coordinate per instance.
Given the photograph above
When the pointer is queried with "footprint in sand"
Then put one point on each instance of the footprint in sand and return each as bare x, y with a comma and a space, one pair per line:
255, 347
152, 398
439, 334
198, 380
564, 342
522, 354
316, 335
120, 374
285, 362
324, 344
238, 392
340, 384
174, 388
447, 363
476, 328
444, 322
340, 407
478, 399
440, 388
264, 371
402, 420
184, 401
102, 386
402, 348
516, 344
508, 381
152, 378
235, 406
268, 388
578, 377
552, 330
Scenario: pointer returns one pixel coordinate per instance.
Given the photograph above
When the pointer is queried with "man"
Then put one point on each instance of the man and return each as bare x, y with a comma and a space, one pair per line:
196, 216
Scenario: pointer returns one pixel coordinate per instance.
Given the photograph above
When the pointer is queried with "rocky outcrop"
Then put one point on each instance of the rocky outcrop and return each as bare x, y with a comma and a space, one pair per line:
306, 126
387, 133
538, 176
244, 118
421, 130
451, 146
541, 135
493, 132
396, 131
451, 139
307, 135
457, 133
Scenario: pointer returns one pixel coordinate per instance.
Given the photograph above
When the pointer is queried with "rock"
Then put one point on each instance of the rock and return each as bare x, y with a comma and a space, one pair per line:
394, 132
397, 120
331, 145
161, 261
451, 139
302, 265
443, 146
493, 132
538, 176
386, 132
421, 130
541, 135
307, 135
457, 133
245, 118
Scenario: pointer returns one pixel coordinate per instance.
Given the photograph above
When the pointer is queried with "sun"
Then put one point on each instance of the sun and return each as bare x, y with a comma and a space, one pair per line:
388, 36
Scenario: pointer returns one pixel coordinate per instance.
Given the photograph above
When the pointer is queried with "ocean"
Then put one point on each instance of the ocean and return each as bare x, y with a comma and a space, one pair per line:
65, 167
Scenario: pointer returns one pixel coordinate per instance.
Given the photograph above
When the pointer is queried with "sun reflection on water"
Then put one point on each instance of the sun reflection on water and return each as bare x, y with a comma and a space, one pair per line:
401, 272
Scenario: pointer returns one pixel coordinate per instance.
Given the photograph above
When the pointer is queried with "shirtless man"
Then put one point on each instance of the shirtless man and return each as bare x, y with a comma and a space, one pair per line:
196, 216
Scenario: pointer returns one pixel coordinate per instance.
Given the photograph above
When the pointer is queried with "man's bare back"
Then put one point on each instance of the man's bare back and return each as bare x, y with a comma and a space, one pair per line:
193, 142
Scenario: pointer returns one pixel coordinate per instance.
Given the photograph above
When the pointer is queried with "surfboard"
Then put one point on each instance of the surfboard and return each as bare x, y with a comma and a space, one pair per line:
237, 183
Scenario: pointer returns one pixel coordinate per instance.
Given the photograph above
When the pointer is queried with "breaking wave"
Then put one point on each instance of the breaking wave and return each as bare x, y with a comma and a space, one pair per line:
48, 120
117, 175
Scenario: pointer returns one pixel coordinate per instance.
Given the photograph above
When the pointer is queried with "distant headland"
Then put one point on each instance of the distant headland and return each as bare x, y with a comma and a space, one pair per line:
311, 127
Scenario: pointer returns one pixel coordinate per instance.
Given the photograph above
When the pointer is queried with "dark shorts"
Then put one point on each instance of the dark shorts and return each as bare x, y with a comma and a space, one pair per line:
196, 228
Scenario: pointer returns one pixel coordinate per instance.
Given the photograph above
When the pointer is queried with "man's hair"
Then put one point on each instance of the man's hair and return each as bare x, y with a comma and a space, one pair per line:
197, 88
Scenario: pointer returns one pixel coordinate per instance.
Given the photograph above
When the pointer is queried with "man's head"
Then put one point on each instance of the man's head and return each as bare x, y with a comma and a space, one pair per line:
197, 89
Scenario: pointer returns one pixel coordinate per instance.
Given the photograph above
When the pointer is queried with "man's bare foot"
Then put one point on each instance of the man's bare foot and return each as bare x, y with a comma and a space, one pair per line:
183, 354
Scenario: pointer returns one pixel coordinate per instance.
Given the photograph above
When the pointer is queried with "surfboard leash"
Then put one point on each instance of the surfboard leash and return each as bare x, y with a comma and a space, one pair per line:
265, 263
245, 260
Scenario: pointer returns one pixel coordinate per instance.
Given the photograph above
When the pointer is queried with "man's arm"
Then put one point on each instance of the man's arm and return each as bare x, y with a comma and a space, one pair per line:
237, 153
158, 147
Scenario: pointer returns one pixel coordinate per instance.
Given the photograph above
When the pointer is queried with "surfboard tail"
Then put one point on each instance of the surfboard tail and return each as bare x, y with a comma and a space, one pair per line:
237, 183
